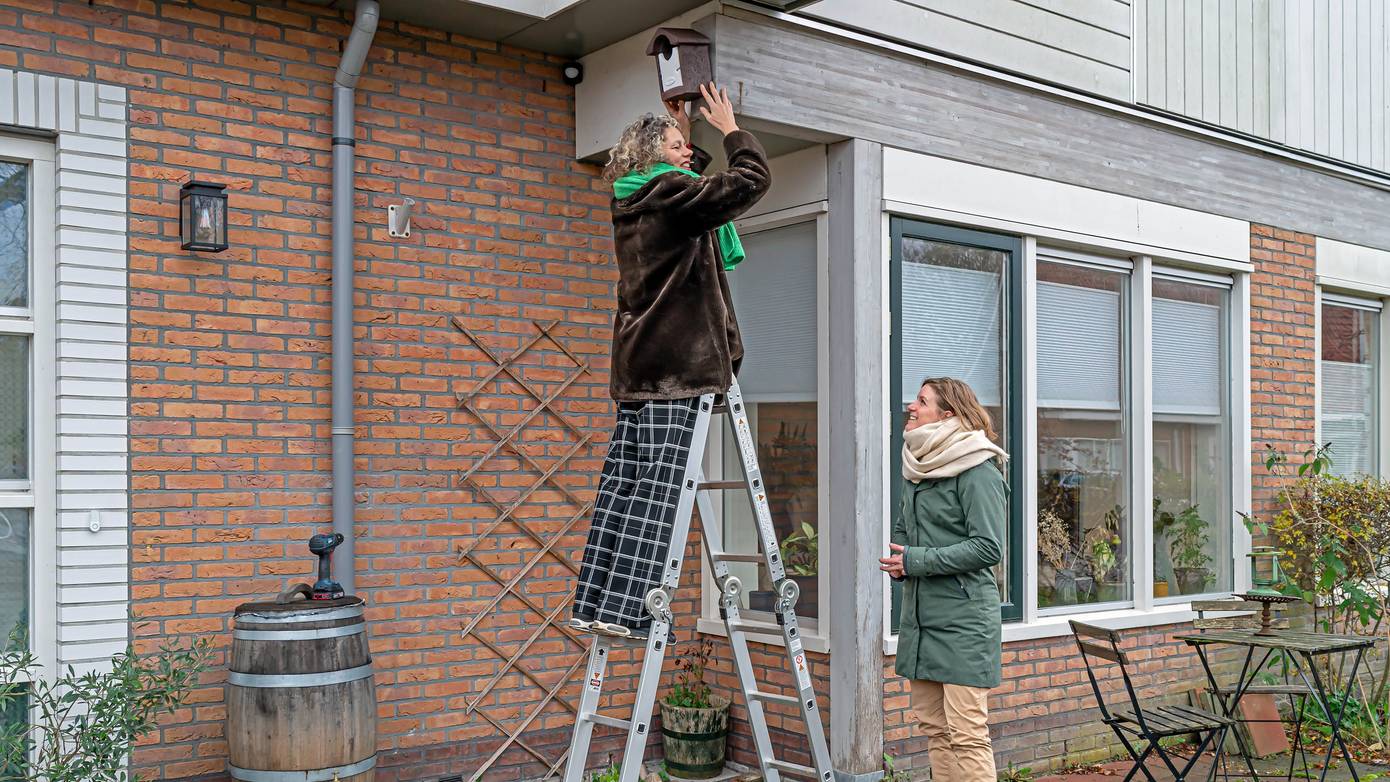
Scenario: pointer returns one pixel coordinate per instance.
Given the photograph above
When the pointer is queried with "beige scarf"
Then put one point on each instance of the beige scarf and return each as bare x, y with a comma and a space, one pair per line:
944, 449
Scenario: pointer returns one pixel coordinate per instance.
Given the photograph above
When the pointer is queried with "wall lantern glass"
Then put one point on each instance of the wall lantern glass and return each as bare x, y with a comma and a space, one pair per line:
203, 217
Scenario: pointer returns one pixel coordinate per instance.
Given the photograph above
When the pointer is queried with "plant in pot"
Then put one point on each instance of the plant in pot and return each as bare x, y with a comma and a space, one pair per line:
1103, 543
1056, 549
1188, 540
694, 720
801, 558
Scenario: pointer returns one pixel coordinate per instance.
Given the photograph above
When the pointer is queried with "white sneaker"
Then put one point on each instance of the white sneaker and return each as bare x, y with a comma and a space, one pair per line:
580, 625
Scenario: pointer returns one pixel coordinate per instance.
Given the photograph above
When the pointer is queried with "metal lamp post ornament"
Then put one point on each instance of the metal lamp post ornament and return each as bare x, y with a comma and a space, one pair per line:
1265, 579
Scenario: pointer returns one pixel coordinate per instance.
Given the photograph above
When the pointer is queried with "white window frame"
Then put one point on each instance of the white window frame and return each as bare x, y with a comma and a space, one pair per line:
39, 321
1372, 303
815, 633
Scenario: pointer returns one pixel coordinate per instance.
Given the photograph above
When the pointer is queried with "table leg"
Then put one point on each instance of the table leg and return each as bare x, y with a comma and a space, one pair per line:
1229, 705
1335, 722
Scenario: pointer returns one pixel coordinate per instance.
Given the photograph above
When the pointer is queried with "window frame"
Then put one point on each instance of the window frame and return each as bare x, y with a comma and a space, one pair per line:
1145, 609
1240, 538
901, 228
39, 322
1380, 435
815, 633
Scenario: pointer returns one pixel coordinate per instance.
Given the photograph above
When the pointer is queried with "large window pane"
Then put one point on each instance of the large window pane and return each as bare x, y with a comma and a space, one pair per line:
775, 297
1084, 530
14, 234
1191, 439
1349, 387
14, 406
14, 571
952, 307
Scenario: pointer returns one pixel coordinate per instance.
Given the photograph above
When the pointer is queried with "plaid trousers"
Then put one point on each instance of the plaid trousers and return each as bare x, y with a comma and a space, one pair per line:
635, 510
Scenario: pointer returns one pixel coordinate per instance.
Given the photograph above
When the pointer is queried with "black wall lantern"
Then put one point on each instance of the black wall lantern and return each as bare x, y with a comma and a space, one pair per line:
203, 217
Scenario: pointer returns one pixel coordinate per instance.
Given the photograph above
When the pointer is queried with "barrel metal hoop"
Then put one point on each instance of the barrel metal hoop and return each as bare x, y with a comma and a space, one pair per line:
315, 775
711, 736
346, 612
313, 634
690, 768
290, 680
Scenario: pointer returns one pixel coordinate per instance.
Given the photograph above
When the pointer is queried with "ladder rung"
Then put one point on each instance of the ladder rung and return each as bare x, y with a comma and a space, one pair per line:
724, 556
793, 768
608, 722
762, 628
772, 697
722, 485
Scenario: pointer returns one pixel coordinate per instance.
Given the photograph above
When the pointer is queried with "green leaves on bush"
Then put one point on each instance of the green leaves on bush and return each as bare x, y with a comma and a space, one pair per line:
82, 726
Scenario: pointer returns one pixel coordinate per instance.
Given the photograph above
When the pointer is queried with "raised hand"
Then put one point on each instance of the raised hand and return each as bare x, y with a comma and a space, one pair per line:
676, 108
718, 110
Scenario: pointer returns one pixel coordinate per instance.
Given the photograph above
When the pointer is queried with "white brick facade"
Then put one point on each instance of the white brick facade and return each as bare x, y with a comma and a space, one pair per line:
87, 125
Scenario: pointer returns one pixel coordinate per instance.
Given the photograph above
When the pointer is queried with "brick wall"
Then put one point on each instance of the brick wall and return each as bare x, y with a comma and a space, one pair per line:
229, 369
1283, 352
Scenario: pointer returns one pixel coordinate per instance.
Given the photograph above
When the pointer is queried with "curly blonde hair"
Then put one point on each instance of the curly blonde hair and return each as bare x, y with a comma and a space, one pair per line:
639, 147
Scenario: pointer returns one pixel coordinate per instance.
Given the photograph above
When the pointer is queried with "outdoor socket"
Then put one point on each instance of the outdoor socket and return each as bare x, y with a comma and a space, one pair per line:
322, 546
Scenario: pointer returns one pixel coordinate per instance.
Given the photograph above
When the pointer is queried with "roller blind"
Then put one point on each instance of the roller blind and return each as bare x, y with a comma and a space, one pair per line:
951, 322
774, 293
1187, 350
1078, 347
1348, 396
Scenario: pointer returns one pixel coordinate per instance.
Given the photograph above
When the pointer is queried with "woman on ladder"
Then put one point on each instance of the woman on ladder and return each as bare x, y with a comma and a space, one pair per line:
675, 339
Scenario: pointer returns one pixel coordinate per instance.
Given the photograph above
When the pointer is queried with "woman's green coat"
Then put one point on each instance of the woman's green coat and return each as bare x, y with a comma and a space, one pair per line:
953, 529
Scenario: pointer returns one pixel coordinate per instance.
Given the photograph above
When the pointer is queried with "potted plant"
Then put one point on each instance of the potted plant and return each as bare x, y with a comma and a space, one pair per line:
801, 558
1056, 549
1188, 540
1104, 547
694, 720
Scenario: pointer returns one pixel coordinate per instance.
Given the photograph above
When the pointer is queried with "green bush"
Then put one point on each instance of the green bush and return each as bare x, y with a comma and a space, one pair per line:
81, 727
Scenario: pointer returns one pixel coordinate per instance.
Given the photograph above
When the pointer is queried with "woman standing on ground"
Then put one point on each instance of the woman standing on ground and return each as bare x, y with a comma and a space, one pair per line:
674, 339
946, 541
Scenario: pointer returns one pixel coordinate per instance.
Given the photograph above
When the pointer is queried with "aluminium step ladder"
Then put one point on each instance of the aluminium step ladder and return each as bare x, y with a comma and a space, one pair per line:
695, 489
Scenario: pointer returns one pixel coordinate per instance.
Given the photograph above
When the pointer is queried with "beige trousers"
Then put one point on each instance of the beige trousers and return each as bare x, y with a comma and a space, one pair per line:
956, 721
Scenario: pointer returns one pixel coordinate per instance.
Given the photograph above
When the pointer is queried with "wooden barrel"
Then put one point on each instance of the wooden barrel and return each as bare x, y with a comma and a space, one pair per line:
301, 703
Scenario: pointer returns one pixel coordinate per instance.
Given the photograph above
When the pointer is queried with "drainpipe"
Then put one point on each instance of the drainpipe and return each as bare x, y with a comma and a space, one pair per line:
344, 477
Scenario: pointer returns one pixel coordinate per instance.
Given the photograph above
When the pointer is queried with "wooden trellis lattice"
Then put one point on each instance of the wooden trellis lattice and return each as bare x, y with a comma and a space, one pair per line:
507, 439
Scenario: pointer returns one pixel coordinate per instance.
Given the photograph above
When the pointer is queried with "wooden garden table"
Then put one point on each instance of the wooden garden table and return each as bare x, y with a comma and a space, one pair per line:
1302, 648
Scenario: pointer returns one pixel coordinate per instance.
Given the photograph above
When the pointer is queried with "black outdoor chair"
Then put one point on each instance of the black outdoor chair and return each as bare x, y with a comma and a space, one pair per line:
1150, 725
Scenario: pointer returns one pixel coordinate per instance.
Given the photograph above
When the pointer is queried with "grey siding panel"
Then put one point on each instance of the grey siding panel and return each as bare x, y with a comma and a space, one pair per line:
827, 86
1307, 73
1084, 44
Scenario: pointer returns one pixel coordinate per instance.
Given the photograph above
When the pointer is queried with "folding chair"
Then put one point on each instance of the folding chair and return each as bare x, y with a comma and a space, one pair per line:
1150, 725
1245, 615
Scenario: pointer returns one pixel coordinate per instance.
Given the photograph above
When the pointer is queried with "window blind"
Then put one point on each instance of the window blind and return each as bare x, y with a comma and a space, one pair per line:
1187, 351
774, 293
1078, 347
1348, 397
951, 324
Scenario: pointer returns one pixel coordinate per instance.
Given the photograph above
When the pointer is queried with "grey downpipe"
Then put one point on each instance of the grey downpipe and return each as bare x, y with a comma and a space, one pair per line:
344, 476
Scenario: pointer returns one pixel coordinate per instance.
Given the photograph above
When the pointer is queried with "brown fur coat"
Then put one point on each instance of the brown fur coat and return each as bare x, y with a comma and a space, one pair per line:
675, 335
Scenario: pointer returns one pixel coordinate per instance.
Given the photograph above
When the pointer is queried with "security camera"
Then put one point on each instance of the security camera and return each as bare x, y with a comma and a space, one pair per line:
572, 73
398, 219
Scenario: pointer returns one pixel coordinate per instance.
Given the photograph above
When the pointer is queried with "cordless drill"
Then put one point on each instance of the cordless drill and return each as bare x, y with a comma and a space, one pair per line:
322, 546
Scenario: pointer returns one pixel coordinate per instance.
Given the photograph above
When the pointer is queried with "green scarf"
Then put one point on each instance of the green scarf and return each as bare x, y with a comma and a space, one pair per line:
729, 245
